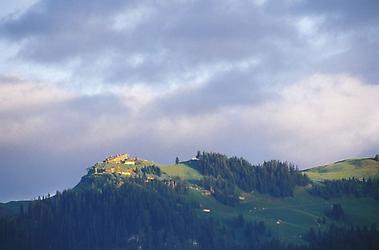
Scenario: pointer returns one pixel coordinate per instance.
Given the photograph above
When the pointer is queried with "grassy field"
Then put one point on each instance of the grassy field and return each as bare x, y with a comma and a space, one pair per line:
359, 168
181, 170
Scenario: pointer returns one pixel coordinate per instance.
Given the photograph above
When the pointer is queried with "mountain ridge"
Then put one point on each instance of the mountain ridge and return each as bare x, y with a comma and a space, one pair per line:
273, 199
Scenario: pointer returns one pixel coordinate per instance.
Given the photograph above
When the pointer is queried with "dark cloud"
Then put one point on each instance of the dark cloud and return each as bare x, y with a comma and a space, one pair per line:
128, 42
225, 90
55, 31
342, 14
353, 27
170, 38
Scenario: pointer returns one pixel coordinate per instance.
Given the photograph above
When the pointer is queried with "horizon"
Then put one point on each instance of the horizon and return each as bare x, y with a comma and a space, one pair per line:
52, 193
294, 81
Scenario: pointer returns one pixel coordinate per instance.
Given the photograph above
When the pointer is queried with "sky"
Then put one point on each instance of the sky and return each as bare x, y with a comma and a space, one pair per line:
293, 80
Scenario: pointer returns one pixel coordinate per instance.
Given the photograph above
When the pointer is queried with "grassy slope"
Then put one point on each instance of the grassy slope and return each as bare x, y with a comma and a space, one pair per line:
359, 168
182, 171
295, 214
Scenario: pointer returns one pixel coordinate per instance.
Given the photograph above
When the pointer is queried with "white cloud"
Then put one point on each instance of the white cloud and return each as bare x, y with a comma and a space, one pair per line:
130, 18
20, 96
308, 25
320, 119
15, 7
24, 109
259, 3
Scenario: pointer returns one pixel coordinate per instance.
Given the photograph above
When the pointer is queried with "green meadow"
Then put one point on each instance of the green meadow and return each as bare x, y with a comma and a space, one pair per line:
358, 168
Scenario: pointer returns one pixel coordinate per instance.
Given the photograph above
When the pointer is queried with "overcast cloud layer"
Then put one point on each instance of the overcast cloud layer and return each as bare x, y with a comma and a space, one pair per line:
292, 80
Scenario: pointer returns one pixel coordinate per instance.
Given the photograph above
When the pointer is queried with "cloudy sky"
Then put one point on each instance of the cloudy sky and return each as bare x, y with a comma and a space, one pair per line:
293, 80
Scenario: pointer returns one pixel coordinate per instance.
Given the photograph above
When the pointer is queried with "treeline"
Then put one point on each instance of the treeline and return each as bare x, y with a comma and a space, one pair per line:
272, 177
155, 170
336, 238
135, 215
347, 187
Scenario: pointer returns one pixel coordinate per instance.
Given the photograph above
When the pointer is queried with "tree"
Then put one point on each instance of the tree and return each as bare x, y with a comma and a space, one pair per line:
336, 212
376, 158
198, 154
176, 160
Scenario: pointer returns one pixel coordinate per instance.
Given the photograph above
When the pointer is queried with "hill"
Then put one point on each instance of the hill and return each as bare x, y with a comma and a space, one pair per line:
288, 218
358, 168
209, 202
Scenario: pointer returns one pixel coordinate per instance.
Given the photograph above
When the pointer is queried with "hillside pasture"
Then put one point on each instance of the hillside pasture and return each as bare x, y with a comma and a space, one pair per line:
358, 168
181, 170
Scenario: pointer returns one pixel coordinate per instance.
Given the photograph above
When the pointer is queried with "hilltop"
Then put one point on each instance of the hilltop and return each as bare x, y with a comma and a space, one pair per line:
208, 202
358, 168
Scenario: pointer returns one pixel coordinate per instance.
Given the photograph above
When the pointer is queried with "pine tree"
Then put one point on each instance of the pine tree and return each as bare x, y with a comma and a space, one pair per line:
198, 154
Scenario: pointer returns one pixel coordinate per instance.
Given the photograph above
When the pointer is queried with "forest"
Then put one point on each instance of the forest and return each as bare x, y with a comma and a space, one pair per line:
224, 175
136, 215
347, 187
141, 215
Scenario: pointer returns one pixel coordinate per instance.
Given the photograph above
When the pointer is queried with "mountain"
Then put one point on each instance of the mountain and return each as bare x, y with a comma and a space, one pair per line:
209, 202
358, 168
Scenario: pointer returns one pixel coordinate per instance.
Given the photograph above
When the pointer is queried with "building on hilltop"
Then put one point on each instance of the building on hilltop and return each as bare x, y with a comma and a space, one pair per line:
129, 162
116, 158
121, 171
121, 158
